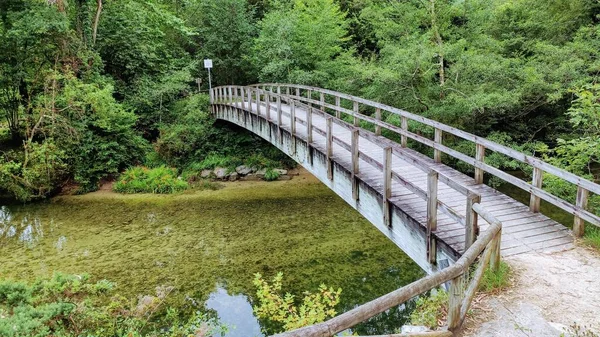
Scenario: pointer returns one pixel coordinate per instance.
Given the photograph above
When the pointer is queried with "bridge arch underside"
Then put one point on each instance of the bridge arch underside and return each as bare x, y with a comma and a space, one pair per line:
405, 231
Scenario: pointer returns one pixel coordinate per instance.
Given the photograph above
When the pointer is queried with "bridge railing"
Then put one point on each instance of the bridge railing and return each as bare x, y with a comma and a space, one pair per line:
534, 188
464, 284
270, 103
481, 251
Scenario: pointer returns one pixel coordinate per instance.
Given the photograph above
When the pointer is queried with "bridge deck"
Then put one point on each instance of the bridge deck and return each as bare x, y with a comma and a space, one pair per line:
522, 230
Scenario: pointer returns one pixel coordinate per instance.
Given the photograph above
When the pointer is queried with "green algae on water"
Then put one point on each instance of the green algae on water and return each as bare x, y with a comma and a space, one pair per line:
202, 240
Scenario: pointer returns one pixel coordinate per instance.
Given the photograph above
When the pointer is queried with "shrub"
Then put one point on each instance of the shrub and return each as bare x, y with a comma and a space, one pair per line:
72, 305
273, 305
430, 310
271, 175
162, 180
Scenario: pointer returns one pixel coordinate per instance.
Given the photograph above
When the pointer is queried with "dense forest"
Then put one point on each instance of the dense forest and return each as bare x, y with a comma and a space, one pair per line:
89, 88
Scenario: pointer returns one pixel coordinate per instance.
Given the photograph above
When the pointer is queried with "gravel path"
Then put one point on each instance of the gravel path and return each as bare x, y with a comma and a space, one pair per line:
551, 293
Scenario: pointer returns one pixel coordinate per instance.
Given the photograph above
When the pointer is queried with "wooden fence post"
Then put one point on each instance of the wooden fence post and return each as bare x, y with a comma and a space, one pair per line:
404, 126
355, 109
297, 92
355, 163
432, 207
338, 114
329, 147
437, 154
471, 220
534, 201
258, 101
495, 257
387, 186
480, 158
309, 96
582, 200
456, 295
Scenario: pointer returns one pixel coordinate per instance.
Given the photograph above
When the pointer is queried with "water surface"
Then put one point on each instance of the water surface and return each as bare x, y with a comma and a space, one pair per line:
208, 245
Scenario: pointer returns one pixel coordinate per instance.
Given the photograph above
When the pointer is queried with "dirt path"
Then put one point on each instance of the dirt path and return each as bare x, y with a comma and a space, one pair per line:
551, 292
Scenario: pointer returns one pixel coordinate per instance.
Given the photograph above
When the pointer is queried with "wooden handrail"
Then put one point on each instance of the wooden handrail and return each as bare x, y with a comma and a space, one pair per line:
482, 144
465, 190
488, 242
461, 293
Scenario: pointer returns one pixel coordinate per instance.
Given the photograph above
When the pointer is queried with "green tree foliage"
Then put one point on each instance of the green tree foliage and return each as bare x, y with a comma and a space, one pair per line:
300, 41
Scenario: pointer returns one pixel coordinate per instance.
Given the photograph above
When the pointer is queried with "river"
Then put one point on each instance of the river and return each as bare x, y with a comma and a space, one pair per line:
208, 244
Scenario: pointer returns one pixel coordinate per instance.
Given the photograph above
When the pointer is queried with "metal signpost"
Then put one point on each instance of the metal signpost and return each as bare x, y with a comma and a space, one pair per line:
208, 64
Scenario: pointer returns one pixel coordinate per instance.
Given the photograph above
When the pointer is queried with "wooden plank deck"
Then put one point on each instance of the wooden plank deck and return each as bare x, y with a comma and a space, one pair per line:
522, 230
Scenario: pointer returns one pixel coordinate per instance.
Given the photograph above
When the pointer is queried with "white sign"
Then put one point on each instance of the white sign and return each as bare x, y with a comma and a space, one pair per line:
207, 63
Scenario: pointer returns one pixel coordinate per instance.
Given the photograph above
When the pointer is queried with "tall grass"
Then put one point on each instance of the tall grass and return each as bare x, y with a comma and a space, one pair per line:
160, 180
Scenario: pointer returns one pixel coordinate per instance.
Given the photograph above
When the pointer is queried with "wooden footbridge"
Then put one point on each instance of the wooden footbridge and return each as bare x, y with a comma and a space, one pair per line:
443, 219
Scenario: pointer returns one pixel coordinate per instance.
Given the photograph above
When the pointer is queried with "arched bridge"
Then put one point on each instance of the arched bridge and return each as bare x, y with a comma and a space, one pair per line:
443, 219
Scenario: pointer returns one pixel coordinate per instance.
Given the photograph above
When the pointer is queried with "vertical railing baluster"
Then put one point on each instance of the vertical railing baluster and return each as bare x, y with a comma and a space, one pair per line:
404, 126
258, 101
437, 154
378, 117
534, 200
268, 100
279, 122
329, 148
387, 186
243, 97
582, 201
479, 158
432, 207
355, 162
309, 135
322, 100
355, 109
471, 220
309, 96
337, 104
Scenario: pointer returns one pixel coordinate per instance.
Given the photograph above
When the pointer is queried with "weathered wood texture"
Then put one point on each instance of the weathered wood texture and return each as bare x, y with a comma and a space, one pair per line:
456, 226
481, 144
408, 197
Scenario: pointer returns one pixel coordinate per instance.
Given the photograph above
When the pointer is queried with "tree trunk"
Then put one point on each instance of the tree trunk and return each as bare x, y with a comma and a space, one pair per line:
96, 21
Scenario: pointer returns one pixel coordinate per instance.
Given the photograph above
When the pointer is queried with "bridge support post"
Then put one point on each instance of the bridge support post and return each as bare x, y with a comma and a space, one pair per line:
432, 207
534, 201
329, 148
387, 186
268, 100
355, 162
582, 200
471, 220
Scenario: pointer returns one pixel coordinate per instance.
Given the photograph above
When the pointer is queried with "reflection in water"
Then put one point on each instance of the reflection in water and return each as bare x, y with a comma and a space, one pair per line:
234, 311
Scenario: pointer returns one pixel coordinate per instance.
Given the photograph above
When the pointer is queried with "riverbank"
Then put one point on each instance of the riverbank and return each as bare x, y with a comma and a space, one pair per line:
551, 295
